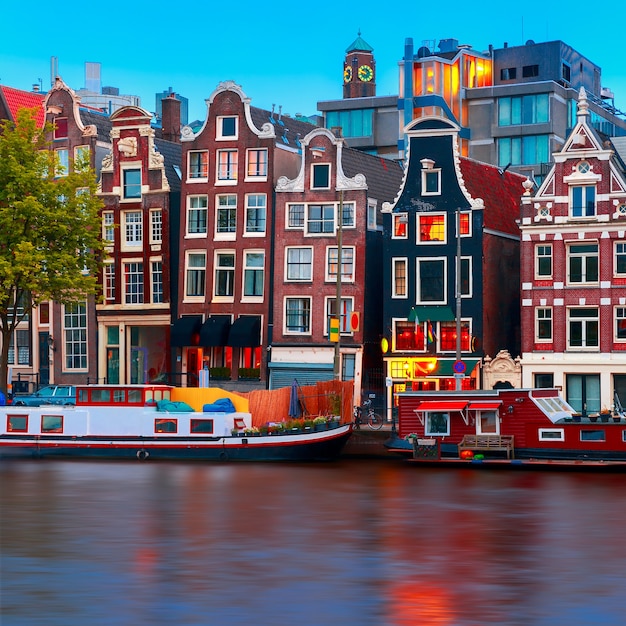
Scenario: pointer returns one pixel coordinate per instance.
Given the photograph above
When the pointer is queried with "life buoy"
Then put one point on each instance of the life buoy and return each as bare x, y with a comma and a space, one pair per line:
142, 455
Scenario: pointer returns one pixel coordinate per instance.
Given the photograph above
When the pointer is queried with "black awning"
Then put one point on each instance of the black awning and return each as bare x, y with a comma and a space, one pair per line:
245, 332
185, 331
214, 331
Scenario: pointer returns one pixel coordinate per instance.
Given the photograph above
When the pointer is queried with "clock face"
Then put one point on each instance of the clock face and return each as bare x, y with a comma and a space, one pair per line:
366, 73
347, 74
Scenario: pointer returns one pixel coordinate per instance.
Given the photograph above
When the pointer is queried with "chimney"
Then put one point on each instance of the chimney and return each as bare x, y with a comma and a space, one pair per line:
170, 118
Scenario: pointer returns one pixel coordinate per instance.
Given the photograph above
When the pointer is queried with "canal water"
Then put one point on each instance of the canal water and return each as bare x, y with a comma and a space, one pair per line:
356, 542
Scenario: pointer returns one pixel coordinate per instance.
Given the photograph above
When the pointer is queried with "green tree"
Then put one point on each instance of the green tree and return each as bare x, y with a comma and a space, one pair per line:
50, 229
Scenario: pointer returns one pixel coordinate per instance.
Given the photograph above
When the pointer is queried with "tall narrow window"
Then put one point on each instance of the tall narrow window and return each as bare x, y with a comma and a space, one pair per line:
75, 336
399, 278
133, 228
295, 215
543, 324
108, 226
157, 281
226, 221
196, 274
620, 259
63, 162
60, 128
543, 260
257, 163
431, 276
620, 323
133, 283
109, 281
347, 264
256, 212
198, 164
400, 222
583, 328
132, 183
227, 165
224, 274
320, 178
346, 306
299, 264
297, 315
253, 274
197, 213
156, 226
583, 201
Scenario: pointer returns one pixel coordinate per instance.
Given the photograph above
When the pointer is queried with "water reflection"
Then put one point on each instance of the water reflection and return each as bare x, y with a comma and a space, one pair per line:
354, 542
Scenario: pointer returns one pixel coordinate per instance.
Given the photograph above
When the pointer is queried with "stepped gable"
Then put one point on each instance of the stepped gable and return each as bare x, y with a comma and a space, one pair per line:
289, 131
12, 100
500, 191
383, 176
172, 157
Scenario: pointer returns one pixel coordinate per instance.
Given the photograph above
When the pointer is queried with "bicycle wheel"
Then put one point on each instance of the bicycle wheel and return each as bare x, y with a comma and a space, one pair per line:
375, 421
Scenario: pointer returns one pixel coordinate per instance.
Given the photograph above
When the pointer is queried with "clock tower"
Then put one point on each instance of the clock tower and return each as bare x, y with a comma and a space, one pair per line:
359, 70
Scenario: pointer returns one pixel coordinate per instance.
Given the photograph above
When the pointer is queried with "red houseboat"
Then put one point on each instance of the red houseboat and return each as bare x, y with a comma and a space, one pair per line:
505, 427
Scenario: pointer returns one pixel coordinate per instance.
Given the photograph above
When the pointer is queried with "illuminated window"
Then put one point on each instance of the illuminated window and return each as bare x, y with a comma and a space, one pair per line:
399, 278
431, 228
409, 336
198, 164
448, 335
165, 425
620, 323
227, 161
347, 264
400, 221
256, 163
466, 224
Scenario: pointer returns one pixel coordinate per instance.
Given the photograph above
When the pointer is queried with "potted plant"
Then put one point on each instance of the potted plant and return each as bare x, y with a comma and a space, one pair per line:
604, 414
320, 423
219, 373
249, 373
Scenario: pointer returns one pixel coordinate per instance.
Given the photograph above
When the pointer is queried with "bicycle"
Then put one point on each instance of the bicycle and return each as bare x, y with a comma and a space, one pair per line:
374, 421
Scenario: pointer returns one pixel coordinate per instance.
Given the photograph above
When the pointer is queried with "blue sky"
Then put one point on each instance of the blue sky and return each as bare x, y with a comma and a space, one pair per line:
288, 54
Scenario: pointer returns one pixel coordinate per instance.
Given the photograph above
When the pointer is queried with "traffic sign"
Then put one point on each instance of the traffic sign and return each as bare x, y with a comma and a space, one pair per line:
459, 367
333, 329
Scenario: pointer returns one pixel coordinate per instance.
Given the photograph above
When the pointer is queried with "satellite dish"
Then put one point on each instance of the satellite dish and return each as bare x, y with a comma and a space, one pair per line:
530, 42
423, 52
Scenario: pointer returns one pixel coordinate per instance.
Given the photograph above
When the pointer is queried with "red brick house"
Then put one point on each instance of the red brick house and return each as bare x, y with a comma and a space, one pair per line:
139, 186
332, 204
229, 170
573, 272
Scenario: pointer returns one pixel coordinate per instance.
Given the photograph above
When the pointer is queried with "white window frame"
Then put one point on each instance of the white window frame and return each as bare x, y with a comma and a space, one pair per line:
256, 168
584, 321
205, 170
551, 434
75, 335
347, 307
585, 257
197, 211
230, 210
539, 319
199, 270
426, 173
372, 211
319, 166
78, 151
397, 220
156, 281
62, 165
108, 227
348, 259
418, 230
479, 423
156, 226
252, 268
306, 314
288, 264
322, 221
538, 256
395, 293
584, 191
427, 424
470, 283
351, 221
218, 268
619, 250
134, 229
469, 223
139, 293
108, 280
418, 262
227, 166
248, 232
619, 314
130, 167
292, 210
219, 128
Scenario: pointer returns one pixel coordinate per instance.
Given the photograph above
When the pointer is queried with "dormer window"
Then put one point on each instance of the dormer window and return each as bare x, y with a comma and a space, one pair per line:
431, 178
60, 128
320, 178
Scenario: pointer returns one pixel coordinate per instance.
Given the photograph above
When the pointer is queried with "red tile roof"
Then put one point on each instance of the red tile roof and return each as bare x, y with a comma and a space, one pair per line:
501, 193
16, 99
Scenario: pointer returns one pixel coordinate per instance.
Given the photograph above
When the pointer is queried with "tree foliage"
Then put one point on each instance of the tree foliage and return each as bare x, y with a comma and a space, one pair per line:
50, 229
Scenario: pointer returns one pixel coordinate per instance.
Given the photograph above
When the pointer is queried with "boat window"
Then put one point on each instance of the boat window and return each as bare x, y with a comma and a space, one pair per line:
150, 395
551, 434
134, 396
202, 426
51, 423
83, 395
168, 425
437, 423
166, 394
592, 435
101, 395
119, 395
624, 435
17, 423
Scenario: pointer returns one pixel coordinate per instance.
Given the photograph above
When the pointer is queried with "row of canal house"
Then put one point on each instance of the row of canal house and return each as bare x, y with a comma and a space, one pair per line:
225, 246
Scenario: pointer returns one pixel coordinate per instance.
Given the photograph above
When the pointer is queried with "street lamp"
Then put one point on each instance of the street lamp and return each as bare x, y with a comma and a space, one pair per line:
337, 359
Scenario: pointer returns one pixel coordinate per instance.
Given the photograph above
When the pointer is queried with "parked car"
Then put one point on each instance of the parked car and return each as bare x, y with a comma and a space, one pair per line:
52, 394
